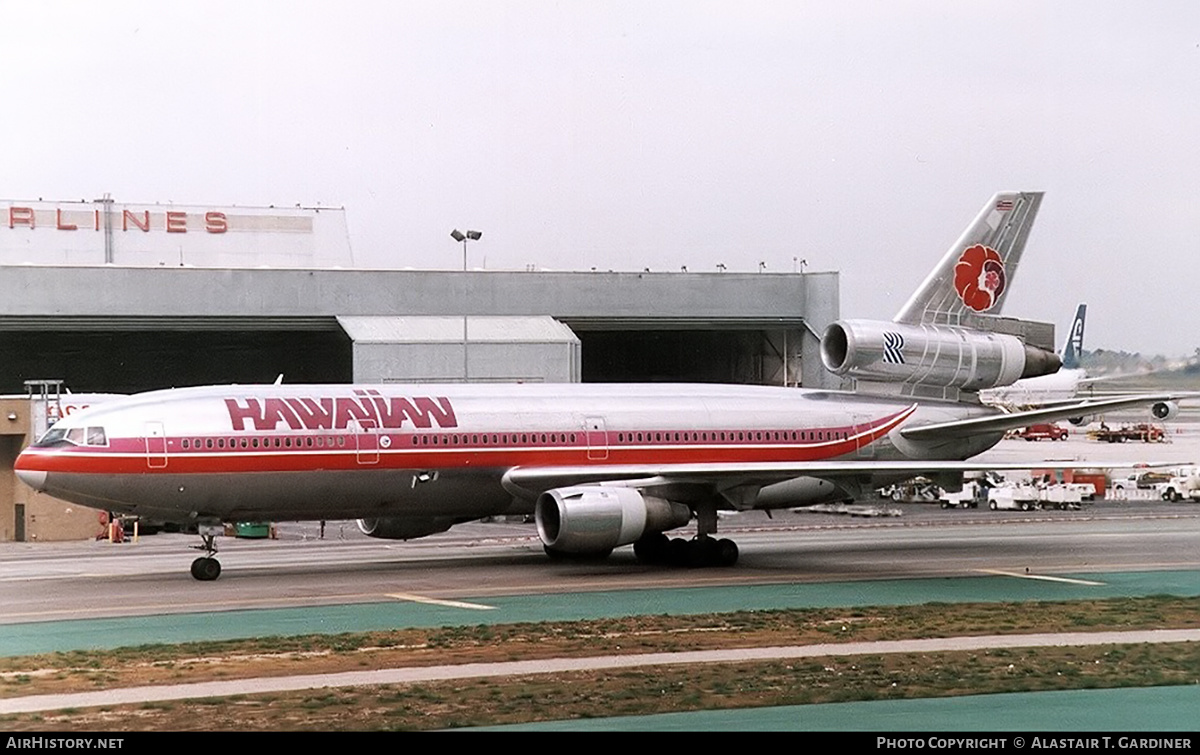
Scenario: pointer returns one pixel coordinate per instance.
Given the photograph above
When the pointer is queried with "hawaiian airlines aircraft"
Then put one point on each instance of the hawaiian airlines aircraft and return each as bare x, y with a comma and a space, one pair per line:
601, 466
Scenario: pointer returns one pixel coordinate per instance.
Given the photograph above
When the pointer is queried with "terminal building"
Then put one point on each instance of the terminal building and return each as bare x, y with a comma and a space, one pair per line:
119, 298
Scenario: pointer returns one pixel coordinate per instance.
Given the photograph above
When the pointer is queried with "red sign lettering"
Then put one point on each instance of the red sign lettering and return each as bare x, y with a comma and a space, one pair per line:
216, 222
20, 216
128, 217
273, 413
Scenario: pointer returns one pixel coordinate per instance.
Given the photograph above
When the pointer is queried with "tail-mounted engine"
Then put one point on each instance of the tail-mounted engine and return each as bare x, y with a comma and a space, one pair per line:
940, 356
598, 518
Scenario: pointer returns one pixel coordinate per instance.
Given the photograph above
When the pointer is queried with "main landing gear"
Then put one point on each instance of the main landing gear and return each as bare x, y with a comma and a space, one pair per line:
701, 551
206, 568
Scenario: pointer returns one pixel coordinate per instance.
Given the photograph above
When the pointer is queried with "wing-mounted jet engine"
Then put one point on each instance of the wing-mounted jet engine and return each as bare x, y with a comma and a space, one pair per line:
593, 519
938, 356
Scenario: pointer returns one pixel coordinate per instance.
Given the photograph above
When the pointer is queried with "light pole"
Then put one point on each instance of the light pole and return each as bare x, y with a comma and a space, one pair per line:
458, 235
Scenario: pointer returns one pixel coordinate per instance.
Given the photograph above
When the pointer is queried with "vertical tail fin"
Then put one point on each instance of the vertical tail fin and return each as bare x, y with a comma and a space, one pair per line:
1073, 346
975, 275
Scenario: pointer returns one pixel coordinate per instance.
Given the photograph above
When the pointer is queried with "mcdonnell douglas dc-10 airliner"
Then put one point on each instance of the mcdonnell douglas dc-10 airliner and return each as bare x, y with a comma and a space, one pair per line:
600, 466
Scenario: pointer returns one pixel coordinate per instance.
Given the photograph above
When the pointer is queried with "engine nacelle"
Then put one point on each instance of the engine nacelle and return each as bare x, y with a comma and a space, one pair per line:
404, 528
1164, 410
935, 355
598, 518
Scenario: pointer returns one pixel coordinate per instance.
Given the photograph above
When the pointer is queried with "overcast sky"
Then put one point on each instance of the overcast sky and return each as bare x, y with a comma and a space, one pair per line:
859, 136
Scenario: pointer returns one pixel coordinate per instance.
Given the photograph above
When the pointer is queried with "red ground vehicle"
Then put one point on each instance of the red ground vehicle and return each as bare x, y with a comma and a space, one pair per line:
1043, 431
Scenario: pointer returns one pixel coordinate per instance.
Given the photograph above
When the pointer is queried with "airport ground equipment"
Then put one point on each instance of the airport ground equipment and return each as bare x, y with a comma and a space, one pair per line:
1143, 431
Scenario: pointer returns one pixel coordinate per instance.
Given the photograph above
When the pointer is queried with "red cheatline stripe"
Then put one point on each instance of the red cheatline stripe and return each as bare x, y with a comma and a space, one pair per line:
123, 456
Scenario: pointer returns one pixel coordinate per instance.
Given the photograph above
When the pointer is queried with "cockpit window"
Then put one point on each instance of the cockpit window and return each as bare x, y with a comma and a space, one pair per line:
52, 437
76, 436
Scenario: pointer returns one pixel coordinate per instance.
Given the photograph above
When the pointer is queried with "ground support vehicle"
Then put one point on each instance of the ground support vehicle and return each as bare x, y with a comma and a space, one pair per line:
916, 490
1013, 497
1143, 432
972, 494
1141, 481
1043, 431
1062, 497
1183, 486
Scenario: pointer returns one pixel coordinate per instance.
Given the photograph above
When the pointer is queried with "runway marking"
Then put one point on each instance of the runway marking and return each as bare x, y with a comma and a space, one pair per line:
1041, 577
439, 602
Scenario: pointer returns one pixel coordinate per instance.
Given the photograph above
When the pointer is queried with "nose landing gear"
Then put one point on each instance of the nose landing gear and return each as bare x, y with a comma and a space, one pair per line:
206, 568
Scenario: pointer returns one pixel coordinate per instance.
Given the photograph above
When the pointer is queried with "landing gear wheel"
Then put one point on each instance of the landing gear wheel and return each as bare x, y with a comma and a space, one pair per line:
727, 552
679, 552
702, 552
652, 548
206, 569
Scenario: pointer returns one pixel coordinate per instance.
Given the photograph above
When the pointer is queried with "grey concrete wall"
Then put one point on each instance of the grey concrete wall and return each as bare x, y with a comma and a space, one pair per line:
118, 291
486, 362
597, 299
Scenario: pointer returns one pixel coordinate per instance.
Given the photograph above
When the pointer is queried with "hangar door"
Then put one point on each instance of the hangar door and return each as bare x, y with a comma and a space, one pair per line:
127, 355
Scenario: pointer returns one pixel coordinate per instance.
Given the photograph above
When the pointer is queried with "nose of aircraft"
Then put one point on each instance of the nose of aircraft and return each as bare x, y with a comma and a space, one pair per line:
34, 478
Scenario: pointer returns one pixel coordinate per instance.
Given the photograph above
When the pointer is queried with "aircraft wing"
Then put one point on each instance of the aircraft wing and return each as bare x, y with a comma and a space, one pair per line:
529, 482
999, 423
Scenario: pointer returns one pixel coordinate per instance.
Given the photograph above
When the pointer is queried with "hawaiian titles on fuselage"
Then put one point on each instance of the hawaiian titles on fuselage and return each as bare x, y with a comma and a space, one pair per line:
365, 408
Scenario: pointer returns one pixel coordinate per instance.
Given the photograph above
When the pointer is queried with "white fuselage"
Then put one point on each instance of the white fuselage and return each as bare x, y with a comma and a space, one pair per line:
344, 451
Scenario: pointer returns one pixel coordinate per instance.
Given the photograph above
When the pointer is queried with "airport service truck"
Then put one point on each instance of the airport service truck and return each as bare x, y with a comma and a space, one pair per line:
972, 493
1063, 496
1183, 485
1141, 481
1014, 497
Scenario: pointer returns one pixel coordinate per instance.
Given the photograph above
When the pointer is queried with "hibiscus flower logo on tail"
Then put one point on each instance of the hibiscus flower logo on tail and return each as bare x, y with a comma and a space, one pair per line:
979, 277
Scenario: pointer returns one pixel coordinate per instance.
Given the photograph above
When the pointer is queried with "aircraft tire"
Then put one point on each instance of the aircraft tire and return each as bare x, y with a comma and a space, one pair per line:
702, 552
206, 569
652, 548
678, 552
727, 552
